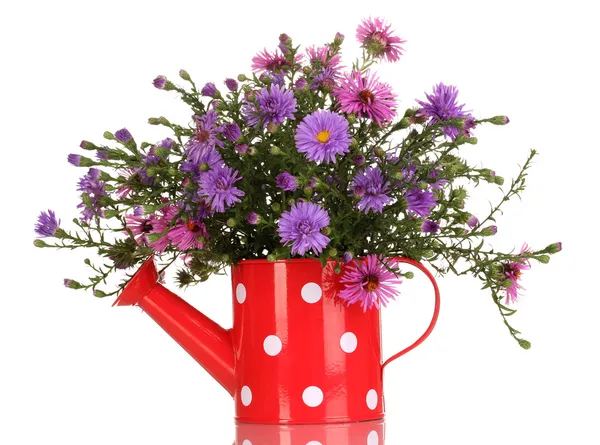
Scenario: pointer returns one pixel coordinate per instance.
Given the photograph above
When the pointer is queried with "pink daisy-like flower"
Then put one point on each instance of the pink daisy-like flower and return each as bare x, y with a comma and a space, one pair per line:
140, 226
375, 36
365, 96
369, 282
274, 62
319, 55
188, 234
160, 228
512, 271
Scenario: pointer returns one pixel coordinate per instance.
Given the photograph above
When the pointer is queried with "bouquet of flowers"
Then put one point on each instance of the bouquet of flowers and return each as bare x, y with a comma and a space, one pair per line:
303, 157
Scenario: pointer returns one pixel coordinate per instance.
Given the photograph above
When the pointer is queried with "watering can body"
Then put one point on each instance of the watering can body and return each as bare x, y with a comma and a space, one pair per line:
295, 354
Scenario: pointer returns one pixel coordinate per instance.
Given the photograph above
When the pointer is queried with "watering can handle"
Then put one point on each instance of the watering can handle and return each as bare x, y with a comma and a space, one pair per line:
436, 310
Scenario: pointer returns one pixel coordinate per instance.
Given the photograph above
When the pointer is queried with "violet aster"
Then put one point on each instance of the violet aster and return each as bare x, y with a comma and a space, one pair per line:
47, 224
217, 185
429, 226
301, 228
205, 138
207, 159
371, 186
420, 202
188, 234
364, 95
166, 143
286, 181
91, 185
123, 135
512, 272
369, 282
325, 78
322, 135
274, 104
442, 106
376, 37
232, 131
74, 159
209, 90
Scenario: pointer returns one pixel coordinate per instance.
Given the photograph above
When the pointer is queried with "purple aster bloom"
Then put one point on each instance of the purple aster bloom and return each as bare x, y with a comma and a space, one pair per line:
123, 135
369, 282
160, 82
208, 159
188, 234
372, 187
94, 188
241, 148
365, 96
74, 159
301, 227
210, 90
430, 226
231, 84
322, 135
252, 218
101, 154
232, 131
347, 257
272, 105
286, 181
376, 37
300, 84
166, 143
138, 211
473, 221
325, 78
274, 78
217, 186
442, 107
420, 202
47, 224
205, 138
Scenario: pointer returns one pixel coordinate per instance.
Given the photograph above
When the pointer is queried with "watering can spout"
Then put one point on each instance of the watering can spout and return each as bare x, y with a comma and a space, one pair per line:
207, 342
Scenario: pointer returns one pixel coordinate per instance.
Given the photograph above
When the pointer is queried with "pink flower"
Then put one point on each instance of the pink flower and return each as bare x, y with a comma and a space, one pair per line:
188, 234
319, 54
369, 282
512, 271
365, 96
274, 62
140, 227
376, 37
160, 228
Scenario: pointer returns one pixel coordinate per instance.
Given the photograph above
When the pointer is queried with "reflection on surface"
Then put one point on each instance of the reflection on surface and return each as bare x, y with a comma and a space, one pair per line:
357, 433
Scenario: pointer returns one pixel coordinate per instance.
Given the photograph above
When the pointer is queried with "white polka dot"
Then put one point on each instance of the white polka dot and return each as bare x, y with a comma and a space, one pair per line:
247, 442
240, 293
311, 292
314, 442
312, 396
372, 399
348, 342
272, 345
246, 396
373, 438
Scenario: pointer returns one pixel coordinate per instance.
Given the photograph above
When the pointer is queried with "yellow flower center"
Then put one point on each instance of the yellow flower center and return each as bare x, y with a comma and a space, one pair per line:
323, 136
372, 284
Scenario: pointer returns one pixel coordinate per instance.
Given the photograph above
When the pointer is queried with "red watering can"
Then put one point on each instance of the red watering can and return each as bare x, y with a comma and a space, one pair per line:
296, 354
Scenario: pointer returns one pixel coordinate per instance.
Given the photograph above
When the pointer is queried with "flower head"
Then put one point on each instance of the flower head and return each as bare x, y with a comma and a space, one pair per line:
429, 226
375, 36
369, 282
74, 159
47, 224
321, 57
267, 61
217, 186
123, 135
161, 223
420, 202
205, 138
286, 181
512, 272
322, 135
301, 227
274, 104
231, 84
140, 226
209, 90
365, 96
232, 131
93, 187
371, 186
188, 234
442, 106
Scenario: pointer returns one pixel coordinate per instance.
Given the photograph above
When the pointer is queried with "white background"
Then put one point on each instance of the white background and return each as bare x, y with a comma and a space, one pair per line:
74, 370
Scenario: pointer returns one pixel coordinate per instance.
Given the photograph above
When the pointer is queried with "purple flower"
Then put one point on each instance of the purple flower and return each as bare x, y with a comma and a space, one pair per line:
286, 181
160, 82
369, 282
210, 90
430, 226
166, 143
74, 159
252, 218
188, 234
123, 135
372, 187
347, 257
232, 131
207, 159
512, 271
272, 105
376, 37
325, 78
47, 224
300, 84
94, 188
231, 84
205, 139
301, 227
322, 135
442, 107
365, 96
217, 186
101, 154
420, 202
241, 148
358, 160
472, 221
138, 211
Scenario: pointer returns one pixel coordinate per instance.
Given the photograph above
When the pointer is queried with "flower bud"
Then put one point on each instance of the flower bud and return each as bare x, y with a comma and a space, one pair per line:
379, 152
404, 123
184, 75
354, 142
554, 247
40, 243
472, 140
108, 135
351, 118
99, 294
276, 207
423, 185
87, 145
159, 82
339, 38
275, 150
72, 284
164, 121
151, 171
231, 222
308, 191
409, 275
204, 167
332, 252
291, 201
398, 175
358, 159
272, 257
326, 231
153, 120
544, 259
489, 231
242, 78
347, 257
499, 180
525, 344
251, 151
499, 120
161, 152
272, 127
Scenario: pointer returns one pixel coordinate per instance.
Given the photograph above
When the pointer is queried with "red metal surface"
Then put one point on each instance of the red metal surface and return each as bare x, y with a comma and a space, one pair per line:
295, 355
